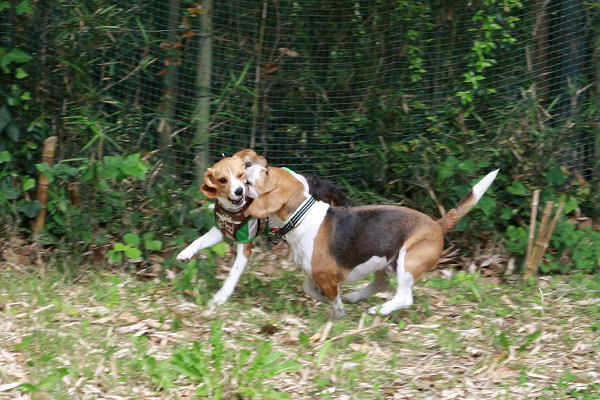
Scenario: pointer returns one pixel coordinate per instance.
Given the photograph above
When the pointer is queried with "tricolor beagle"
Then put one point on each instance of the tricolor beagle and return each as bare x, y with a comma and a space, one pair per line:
337, 245
226, 183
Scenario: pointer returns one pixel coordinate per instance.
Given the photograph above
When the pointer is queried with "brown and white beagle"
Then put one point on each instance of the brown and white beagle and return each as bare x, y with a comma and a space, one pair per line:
225, 182
336, 245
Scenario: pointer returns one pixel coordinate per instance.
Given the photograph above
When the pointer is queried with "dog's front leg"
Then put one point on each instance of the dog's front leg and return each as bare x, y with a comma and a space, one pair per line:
241, 260
210, 238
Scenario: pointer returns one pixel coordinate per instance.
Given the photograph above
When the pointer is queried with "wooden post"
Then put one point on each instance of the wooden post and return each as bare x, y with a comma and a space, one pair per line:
203, 80
42, 188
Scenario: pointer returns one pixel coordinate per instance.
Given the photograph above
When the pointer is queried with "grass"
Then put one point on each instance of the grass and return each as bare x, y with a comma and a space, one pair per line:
112, 335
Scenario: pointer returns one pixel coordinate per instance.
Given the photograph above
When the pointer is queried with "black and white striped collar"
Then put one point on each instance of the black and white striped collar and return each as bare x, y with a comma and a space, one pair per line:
296, 217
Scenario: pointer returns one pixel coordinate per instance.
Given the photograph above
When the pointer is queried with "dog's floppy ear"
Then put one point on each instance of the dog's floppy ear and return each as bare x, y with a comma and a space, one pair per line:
208, 187
249, 154
260, 160
266, 204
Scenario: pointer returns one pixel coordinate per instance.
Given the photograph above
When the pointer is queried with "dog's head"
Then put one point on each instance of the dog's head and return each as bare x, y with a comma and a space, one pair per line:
226, 181
250, 158
275, 191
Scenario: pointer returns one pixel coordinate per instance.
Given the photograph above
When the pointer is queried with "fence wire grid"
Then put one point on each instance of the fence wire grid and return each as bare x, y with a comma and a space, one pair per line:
339, 88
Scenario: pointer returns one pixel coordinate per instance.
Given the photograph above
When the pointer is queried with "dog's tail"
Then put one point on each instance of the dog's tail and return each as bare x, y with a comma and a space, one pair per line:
448, 221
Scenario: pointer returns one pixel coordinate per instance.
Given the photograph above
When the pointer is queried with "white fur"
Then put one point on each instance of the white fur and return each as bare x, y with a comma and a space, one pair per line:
483, 185
210, 238
252, 174
232, 279
371, 265
403, 297
301, 239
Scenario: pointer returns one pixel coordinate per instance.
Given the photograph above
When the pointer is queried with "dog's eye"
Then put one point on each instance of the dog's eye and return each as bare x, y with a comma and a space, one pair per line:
248, 164
223, 180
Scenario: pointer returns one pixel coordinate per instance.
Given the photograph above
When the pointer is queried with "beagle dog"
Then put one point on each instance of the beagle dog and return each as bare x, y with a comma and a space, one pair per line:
336, 245
225, 182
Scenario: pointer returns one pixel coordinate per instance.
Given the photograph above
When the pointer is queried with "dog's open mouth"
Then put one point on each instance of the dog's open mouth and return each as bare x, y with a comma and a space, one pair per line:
237, 202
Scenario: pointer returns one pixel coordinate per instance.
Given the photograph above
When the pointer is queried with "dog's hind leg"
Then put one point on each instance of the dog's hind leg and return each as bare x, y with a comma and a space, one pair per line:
404, 296
241, 260
379, 284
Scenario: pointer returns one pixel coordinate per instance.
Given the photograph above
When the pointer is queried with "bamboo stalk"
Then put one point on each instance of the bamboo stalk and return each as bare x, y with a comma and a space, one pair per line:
543, 238
43, 180
548, 234
530, 267
534, 208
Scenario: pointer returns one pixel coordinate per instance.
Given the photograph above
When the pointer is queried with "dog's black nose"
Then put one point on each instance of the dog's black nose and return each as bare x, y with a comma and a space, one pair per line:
239, 191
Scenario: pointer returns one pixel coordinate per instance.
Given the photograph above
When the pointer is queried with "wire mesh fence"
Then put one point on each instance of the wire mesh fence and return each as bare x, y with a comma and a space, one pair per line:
346, 89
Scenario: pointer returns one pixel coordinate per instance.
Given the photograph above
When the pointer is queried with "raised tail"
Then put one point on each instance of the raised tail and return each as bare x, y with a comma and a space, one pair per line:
448, 221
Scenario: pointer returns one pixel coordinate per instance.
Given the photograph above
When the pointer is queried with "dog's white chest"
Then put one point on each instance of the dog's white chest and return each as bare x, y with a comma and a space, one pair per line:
301, 239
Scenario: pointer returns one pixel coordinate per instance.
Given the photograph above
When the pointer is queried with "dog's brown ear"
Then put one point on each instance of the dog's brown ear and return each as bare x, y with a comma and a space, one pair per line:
208, 187
249, 154
260, 160
266, 204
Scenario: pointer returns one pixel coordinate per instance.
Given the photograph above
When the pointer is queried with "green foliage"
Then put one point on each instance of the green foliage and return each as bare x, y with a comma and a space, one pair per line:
224, 373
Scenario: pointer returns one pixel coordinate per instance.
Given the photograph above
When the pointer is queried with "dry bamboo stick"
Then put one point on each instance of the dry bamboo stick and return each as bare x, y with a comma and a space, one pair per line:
43, 180
535, 201
548, 235
543, 238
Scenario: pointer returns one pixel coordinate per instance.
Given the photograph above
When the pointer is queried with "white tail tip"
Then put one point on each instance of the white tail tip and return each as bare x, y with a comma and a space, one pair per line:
484, 184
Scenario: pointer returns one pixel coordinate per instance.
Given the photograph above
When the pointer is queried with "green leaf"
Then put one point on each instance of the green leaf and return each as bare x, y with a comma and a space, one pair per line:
220, 249
529, 340
467, 165
20, 74
120, 247
29, 208
4, 5
5, 117
517, 188
24, 8
323, 353
504, 340
153, 245
132, 239
5, 156
27, 183
114, 255
16, 56
555, 175
133, 253
13, 131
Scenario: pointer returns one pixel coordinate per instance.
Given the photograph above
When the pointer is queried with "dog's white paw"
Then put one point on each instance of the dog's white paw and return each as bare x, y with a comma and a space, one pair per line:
389, 306
186, 255
219, 299
339, 310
